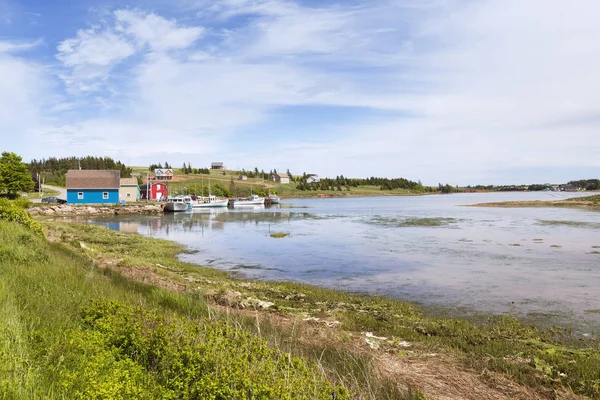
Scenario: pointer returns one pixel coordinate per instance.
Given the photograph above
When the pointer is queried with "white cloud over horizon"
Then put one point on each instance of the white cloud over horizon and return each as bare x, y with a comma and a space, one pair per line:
441, 91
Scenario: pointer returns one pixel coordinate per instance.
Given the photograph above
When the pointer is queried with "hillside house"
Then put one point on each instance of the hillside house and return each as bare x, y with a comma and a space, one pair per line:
243, 177
281, 178
129, 190
217, 165
312, 178
93, 186
163, 174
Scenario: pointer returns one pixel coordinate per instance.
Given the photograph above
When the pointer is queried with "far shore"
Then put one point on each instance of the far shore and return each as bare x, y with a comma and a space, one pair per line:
588, 202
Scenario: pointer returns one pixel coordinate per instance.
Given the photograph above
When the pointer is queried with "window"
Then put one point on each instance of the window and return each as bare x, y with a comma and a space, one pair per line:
105, 195
128, 194
80, 196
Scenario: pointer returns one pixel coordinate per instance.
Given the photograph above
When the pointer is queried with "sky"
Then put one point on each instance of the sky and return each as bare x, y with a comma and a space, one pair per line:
443, 91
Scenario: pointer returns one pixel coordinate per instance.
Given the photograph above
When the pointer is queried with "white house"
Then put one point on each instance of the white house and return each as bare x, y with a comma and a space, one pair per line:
312, 178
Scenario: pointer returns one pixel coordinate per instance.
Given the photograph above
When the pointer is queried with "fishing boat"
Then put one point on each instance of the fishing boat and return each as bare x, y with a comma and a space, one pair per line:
253, 200
274, 199
210, 201
179, 203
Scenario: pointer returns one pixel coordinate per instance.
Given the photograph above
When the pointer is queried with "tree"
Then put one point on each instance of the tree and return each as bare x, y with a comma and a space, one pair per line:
14, 174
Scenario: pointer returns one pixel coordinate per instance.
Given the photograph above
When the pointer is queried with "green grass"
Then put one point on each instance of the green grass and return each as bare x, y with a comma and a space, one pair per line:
38, 195
279, 235
547, 360
70, 330
594, 198
290, 191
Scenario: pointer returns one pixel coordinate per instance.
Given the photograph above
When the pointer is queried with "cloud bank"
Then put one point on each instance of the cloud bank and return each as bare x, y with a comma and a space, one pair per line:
443, 91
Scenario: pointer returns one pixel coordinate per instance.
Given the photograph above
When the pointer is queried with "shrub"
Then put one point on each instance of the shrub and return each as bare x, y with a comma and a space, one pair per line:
13, 211
130, 351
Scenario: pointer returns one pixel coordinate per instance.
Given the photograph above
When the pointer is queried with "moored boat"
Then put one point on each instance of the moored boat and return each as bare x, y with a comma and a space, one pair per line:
253, 200
210, 201
179, 203
274, 199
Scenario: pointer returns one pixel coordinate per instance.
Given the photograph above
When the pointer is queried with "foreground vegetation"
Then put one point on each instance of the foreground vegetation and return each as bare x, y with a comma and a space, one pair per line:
90, 313
547, 361
70, 330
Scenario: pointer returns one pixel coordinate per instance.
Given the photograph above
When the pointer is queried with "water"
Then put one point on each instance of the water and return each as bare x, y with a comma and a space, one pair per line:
535, 262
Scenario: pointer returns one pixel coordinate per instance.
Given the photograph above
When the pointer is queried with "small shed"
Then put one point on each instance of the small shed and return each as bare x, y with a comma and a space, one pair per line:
156, 191
93, 186
217, 165
129, 190
281, 178
243, 177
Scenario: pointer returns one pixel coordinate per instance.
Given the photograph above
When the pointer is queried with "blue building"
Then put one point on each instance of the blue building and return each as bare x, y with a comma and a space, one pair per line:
93, 186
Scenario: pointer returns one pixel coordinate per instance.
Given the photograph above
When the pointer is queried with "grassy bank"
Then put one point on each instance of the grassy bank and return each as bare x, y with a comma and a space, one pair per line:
92, 314
330, 326
589, 202
86, 312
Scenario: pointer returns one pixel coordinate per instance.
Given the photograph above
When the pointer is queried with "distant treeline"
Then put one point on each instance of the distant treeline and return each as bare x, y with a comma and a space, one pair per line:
53, 170
340, 182
587, 184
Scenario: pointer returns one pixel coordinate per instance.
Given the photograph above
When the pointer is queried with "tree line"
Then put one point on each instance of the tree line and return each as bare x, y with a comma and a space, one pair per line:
587, 184
53, 170
343, 183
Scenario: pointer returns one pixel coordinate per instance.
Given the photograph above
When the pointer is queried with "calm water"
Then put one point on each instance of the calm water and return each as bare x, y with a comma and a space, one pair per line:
538, 262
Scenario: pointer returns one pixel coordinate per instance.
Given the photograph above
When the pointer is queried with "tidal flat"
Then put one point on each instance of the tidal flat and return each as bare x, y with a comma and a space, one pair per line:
348, 337
424, 249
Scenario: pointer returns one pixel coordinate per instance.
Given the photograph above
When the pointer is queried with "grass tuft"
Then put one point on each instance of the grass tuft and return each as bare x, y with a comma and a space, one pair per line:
279, 235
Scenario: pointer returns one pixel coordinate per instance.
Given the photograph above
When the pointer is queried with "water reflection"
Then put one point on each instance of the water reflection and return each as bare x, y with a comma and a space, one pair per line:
520, 260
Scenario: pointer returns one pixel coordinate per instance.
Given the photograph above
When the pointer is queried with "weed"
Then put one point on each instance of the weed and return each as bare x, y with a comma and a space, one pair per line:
279, 235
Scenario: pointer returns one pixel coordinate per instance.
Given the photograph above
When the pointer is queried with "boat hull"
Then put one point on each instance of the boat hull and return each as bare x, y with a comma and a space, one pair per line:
176, 207
243, 203
210, 204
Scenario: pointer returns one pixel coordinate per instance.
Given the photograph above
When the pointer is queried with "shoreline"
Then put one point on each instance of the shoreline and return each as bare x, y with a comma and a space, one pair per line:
407, 330
69, 210
571, 203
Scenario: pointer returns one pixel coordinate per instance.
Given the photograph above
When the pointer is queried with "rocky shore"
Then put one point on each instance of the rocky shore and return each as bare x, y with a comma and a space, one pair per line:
65, 209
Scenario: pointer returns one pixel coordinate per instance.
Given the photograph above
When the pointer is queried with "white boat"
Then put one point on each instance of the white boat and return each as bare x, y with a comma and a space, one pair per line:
210, 201
274, 199
253, 200
179, 203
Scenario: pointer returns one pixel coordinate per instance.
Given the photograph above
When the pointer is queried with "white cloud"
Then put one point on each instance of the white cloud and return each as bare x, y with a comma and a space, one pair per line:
159, 33
462, 90
24, 92
91, 56
12, 47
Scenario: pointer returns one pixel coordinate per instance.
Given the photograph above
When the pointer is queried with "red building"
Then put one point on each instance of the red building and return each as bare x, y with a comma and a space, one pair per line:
156, 191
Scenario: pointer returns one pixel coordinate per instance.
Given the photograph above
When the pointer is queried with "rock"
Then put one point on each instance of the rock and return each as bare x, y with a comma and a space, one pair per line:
251, 301
85, 247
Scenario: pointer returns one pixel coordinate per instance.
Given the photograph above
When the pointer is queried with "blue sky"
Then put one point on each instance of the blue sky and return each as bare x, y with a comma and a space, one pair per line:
464, 92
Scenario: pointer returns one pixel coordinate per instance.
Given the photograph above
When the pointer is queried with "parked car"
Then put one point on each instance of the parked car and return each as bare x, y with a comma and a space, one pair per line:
53, 199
